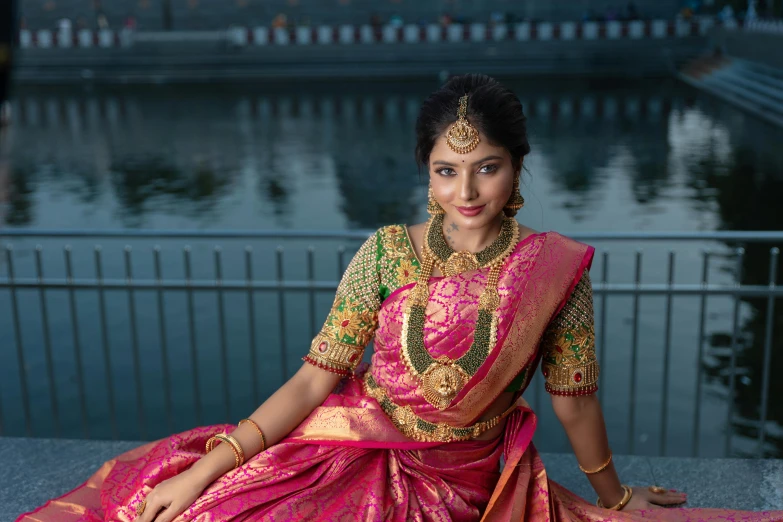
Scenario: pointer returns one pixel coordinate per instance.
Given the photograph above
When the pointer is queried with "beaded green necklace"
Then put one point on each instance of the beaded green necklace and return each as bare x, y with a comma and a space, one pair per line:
442, 379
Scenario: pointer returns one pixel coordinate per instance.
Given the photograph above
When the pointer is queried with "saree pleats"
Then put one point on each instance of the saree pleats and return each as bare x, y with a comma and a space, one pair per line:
297, 481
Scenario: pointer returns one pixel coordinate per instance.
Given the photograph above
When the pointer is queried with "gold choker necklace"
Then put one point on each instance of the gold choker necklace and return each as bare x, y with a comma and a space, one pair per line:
452, 263
442, 379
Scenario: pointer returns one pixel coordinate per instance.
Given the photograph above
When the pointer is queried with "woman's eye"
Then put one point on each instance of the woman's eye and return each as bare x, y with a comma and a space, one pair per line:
446, 172
488, 168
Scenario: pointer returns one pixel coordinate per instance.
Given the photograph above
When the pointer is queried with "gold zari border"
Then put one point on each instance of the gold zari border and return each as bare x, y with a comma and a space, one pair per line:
571, 380
414, 427
326, 352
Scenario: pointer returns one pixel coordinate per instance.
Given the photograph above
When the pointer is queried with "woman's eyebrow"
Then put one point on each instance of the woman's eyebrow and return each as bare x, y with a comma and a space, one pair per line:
482, 160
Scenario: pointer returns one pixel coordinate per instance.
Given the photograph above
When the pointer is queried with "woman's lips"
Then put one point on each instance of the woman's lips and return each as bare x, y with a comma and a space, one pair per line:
470, 211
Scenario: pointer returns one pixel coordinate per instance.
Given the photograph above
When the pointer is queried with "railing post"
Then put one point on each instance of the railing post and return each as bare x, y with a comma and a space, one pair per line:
222, 332
192, 331
164, 356
602, 323
251, 321
740, 252
700, 352
19, 344
666, 357
281, 308
47, 338
769, 328
634, 354
77, 350
135, 342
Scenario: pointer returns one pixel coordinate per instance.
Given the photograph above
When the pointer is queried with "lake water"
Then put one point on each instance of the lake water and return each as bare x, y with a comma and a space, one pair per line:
606, 156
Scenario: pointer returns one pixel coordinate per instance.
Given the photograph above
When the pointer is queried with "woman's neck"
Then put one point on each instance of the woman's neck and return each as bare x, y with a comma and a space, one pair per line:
460, 238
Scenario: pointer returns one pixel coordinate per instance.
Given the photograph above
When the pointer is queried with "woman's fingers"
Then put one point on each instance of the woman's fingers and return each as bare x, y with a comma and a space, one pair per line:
153, 505
669, 498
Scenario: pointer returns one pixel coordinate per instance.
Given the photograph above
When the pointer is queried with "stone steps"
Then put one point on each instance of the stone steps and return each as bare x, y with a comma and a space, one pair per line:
755, 88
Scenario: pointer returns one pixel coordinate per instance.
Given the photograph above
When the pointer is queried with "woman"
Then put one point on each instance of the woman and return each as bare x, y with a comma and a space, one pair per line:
462, 309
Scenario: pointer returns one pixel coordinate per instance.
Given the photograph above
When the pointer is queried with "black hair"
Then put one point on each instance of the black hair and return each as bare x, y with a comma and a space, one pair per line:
492, 108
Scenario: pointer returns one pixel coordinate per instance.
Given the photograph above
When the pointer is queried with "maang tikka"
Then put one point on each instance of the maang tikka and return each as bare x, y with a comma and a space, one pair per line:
462, 137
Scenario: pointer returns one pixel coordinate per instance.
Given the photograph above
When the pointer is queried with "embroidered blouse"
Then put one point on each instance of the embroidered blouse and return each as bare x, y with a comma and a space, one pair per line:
387, 261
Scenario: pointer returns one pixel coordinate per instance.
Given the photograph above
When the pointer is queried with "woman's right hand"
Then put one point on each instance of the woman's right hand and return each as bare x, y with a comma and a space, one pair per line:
171, 497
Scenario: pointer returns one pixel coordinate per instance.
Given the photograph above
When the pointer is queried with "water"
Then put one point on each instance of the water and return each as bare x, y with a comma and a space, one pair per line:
633, 156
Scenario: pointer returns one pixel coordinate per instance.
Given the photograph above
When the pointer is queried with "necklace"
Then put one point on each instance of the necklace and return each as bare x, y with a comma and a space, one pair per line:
452, 263
442, 379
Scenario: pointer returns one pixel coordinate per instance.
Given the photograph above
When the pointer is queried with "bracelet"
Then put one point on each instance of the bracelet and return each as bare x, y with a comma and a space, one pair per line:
599, 469
627, 494
261, 433
239, 455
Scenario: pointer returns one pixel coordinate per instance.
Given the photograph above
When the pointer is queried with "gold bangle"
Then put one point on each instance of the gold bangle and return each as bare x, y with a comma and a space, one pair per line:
238, 452
261, 433
627, 494
239, 455
211, 444
599, 469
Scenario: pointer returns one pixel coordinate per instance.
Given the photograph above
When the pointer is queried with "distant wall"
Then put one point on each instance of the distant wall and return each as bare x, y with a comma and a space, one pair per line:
217, 14
215, 62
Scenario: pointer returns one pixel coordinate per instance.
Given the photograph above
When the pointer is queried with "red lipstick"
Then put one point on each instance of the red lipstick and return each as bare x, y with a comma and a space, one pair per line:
470, 211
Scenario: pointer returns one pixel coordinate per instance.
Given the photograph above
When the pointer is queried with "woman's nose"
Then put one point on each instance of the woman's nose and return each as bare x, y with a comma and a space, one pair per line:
467, 188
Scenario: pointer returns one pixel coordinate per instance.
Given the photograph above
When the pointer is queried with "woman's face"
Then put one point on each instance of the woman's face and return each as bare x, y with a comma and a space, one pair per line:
472, 188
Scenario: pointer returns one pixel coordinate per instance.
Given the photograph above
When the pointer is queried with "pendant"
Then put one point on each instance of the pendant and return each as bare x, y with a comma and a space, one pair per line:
442, 381
460, 262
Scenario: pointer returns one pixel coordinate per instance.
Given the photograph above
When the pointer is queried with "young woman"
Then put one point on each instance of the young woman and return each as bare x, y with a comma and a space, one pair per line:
462, 309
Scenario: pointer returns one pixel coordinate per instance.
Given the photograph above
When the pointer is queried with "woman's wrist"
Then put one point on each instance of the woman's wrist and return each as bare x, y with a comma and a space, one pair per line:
213, 465
620, 504
612, 497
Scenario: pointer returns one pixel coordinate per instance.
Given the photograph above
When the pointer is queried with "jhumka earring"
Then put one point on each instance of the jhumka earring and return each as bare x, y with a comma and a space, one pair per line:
515, 202
433, 207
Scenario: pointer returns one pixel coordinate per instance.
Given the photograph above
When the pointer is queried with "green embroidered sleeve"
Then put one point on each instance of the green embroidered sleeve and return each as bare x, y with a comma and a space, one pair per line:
350, 324
568, 361
384, 263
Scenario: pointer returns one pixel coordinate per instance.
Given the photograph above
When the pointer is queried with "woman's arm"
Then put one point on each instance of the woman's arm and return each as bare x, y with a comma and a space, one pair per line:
277, 416
571, 370
583, 422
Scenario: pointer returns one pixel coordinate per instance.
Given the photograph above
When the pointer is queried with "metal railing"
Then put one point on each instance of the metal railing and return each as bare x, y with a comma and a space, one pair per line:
37, 284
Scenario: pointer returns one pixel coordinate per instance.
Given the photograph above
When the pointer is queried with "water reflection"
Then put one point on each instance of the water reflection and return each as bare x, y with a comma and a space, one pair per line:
141, 182
187, 154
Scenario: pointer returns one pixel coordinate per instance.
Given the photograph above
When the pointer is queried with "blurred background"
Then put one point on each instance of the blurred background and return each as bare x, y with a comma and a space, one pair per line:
183, 181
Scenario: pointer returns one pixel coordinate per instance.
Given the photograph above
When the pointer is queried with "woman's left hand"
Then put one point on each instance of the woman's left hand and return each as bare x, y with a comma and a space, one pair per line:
645, 498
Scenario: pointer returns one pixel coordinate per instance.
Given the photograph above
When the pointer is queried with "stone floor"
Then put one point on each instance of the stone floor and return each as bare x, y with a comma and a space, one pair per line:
34, 470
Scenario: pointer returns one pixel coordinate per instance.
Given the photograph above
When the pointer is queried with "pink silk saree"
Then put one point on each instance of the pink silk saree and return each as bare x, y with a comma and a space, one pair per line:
348, 461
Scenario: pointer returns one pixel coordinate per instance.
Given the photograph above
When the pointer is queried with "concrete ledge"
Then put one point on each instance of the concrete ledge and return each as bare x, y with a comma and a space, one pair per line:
35, 470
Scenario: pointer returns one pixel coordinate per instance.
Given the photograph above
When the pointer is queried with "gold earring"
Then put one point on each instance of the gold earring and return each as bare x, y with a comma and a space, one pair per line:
433, 207
515, 202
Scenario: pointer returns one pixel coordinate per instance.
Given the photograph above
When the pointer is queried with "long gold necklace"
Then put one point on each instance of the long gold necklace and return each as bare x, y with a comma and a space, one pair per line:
442, 379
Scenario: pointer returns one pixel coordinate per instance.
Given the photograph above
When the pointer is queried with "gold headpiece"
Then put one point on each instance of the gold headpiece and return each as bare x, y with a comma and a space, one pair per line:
462, 137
